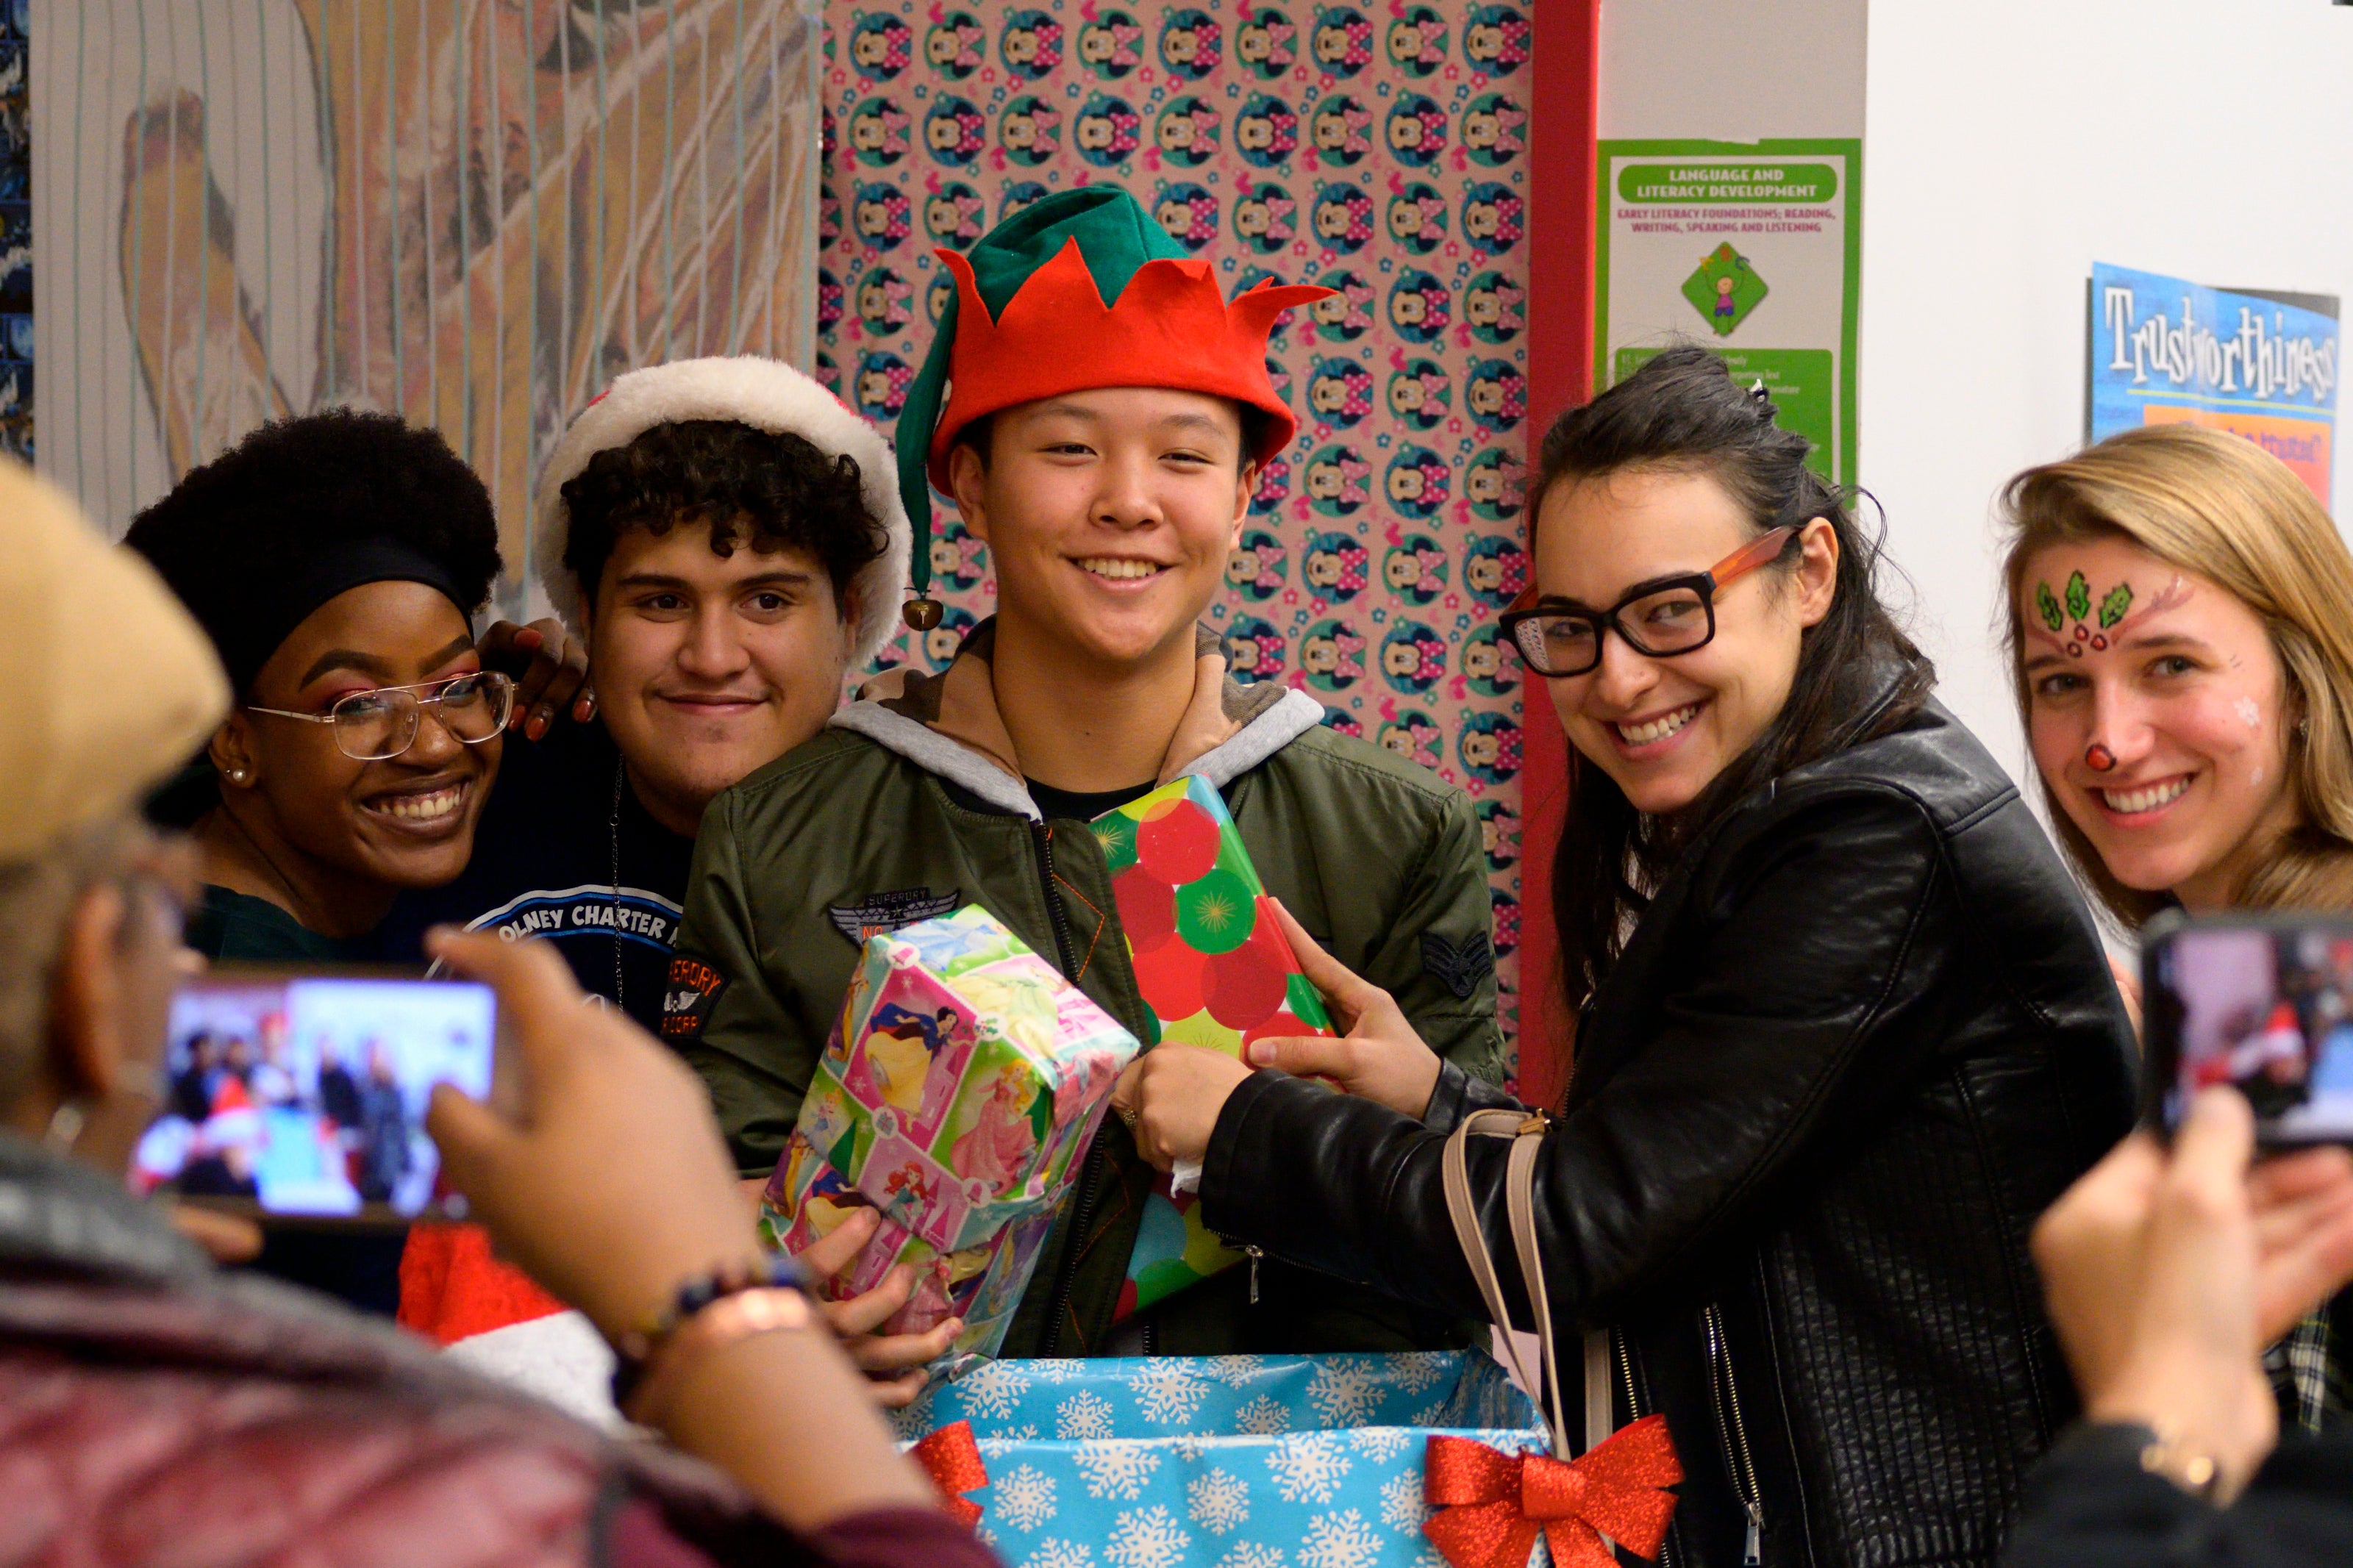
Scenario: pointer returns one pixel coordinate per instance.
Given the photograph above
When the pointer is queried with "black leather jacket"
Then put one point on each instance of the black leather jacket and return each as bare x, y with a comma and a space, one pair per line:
1862, 1035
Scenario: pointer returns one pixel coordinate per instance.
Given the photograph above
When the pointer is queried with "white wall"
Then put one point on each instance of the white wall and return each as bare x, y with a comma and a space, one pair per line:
2008, 144
1733, 70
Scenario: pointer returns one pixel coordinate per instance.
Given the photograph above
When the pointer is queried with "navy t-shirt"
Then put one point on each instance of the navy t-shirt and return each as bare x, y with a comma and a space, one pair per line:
544, 867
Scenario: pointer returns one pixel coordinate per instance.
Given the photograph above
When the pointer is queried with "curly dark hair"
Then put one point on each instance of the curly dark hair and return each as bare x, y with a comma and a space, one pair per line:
229, 534
771, 492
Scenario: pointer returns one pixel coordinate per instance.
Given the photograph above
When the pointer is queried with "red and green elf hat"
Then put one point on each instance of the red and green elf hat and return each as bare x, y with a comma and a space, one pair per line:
1079, 290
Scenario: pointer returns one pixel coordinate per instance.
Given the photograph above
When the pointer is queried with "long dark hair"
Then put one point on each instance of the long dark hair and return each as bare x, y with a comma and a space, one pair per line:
1681, 413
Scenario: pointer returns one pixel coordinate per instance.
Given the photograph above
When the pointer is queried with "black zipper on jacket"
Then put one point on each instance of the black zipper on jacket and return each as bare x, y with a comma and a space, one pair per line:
1091, 1171
1733, 1432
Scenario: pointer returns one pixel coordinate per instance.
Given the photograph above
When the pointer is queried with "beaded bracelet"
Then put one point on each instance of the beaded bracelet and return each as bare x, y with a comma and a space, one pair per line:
637, 1349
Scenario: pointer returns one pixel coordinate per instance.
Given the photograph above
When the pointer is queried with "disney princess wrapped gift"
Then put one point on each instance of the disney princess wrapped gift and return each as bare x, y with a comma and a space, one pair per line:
962, 1079
1214, 968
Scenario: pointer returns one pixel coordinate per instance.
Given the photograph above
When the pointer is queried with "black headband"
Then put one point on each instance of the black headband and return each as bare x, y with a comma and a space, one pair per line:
276, 602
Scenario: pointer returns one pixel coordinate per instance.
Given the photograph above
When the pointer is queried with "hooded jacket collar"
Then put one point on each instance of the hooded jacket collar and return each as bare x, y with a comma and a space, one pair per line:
948, 724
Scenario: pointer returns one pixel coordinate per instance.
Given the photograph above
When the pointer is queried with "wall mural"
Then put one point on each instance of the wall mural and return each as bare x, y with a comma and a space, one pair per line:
16, 233
1375, 148
473, 212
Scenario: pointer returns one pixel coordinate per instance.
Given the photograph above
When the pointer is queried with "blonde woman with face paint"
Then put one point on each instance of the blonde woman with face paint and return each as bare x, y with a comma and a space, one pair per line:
2177, 605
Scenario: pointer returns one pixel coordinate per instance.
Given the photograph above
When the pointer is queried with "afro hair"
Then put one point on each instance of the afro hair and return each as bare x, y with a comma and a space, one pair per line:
231, 532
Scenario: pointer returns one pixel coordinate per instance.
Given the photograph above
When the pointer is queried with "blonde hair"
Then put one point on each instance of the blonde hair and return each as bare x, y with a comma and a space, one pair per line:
2222, 509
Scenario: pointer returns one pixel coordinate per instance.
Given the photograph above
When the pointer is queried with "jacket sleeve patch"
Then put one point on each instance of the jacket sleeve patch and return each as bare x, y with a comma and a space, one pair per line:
1459, 966
878, 914
693, 991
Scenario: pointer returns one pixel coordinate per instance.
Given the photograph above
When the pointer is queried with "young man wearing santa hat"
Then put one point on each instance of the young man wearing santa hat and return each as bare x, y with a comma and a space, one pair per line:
1106, 414
728, 541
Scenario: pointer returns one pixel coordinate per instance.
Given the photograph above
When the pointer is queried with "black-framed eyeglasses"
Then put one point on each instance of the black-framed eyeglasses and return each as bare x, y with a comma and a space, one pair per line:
381, 722
1661, 620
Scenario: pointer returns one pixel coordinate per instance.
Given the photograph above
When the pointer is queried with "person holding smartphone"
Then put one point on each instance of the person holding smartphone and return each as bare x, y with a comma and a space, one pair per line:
2175, 601
1844, 1024
2167, 1270
149, 1400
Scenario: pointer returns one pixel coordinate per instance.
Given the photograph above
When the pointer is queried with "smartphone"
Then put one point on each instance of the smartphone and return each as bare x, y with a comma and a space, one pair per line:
2262, 1002
300, 1094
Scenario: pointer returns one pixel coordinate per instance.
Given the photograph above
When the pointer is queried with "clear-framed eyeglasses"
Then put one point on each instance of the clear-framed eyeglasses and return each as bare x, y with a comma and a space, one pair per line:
379, 724
1661, 618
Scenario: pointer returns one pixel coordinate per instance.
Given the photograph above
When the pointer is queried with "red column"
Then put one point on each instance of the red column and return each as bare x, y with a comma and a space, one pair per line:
1563, 117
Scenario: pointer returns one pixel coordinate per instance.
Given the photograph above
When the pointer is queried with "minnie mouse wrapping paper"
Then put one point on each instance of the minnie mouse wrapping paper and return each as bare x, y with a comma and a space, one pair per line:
1377, 148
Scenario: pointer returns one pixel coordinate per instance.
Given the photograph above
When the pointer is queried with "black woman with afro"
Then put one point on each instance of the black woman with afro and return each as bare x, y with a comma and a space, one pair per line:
337, 560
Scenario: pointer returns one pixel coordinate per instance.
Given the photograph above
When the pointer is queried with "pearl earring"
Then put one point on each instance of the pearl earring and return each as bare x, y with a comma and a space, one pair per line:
65, 1127
236, 775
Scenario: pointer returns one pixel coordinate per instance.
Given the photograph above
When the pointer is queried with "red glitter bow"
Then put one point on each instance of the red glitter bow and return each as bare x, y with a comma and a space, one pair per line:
1492, 1505
951, 1459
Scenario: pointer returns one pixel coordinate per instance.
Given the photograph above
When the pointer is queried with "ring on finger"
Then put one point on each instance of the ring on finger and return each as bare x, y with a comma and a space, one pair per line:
1126, 1113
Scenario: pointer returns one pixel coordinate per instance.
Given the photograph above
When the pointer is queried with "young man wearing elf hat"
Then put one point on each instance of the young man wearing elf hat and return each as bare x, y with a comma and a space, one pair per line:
727, 539
1106, 411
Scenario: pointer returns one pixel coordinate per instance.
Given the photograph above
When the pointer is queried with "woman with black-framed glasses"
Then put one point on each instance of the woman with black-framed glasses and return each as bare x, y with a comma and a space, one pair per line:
336, 560
1845, 1025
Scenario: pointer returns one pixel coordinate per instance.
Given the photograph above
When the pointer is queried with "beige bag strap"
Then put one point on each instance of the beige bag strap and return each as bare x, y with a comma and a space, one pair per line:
1525, 1129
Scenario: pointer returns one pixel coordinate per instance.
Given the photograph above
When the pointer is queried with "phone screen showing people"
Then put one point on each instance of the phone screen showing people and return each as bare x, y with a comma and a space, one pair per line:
2263, 1004
294, 1094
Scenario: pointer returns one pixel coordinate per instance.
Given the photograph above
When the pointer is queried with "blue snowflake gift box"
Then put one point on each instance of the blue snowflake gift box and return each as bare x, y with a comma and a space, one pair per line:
1220, 1461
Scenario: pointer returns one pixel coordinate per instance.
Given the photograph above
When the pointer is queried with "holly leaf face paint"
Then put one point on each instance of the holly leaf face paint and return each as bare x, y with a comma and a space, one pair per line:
2113, 606
2079, 596
2047, 604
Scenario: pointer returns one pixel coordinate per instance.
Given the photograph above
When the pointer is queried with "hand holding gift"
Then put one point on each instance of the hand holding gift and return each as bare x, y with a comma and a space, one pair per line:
1171, 1097
940, 1133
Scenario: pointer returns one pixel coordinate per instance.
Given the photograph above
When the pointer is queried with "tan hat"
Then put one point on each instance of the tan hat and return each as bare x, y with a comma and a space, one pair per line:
106, 683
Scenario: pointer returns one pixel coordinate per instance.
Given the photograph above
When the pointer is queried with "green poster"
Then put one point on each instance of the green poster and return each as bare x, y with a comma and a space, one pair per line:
1752, 249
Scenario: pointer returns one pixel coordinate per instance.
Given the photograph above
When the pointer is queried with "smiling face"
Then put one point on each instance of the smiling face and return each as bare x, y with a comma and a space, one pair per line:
1109, 515
1330, 131
1663, 728
1177, 133
708, 667
2185, 696
399, 822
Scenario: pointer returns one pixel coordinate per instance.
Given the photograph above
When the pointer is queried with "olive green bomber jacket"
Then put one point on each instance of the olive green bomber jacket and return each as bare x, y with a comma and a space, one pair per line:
910, 804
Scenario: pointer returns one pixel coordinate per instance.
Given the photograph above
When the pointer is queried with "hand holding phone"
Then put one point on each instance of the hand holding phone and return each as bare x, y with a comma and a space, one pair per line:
607, 1182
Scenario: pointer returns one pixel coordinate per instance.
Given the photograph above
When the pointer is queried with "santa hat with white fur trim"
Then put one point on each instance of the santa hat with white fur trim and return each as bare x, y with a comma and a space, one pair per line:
768, 394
